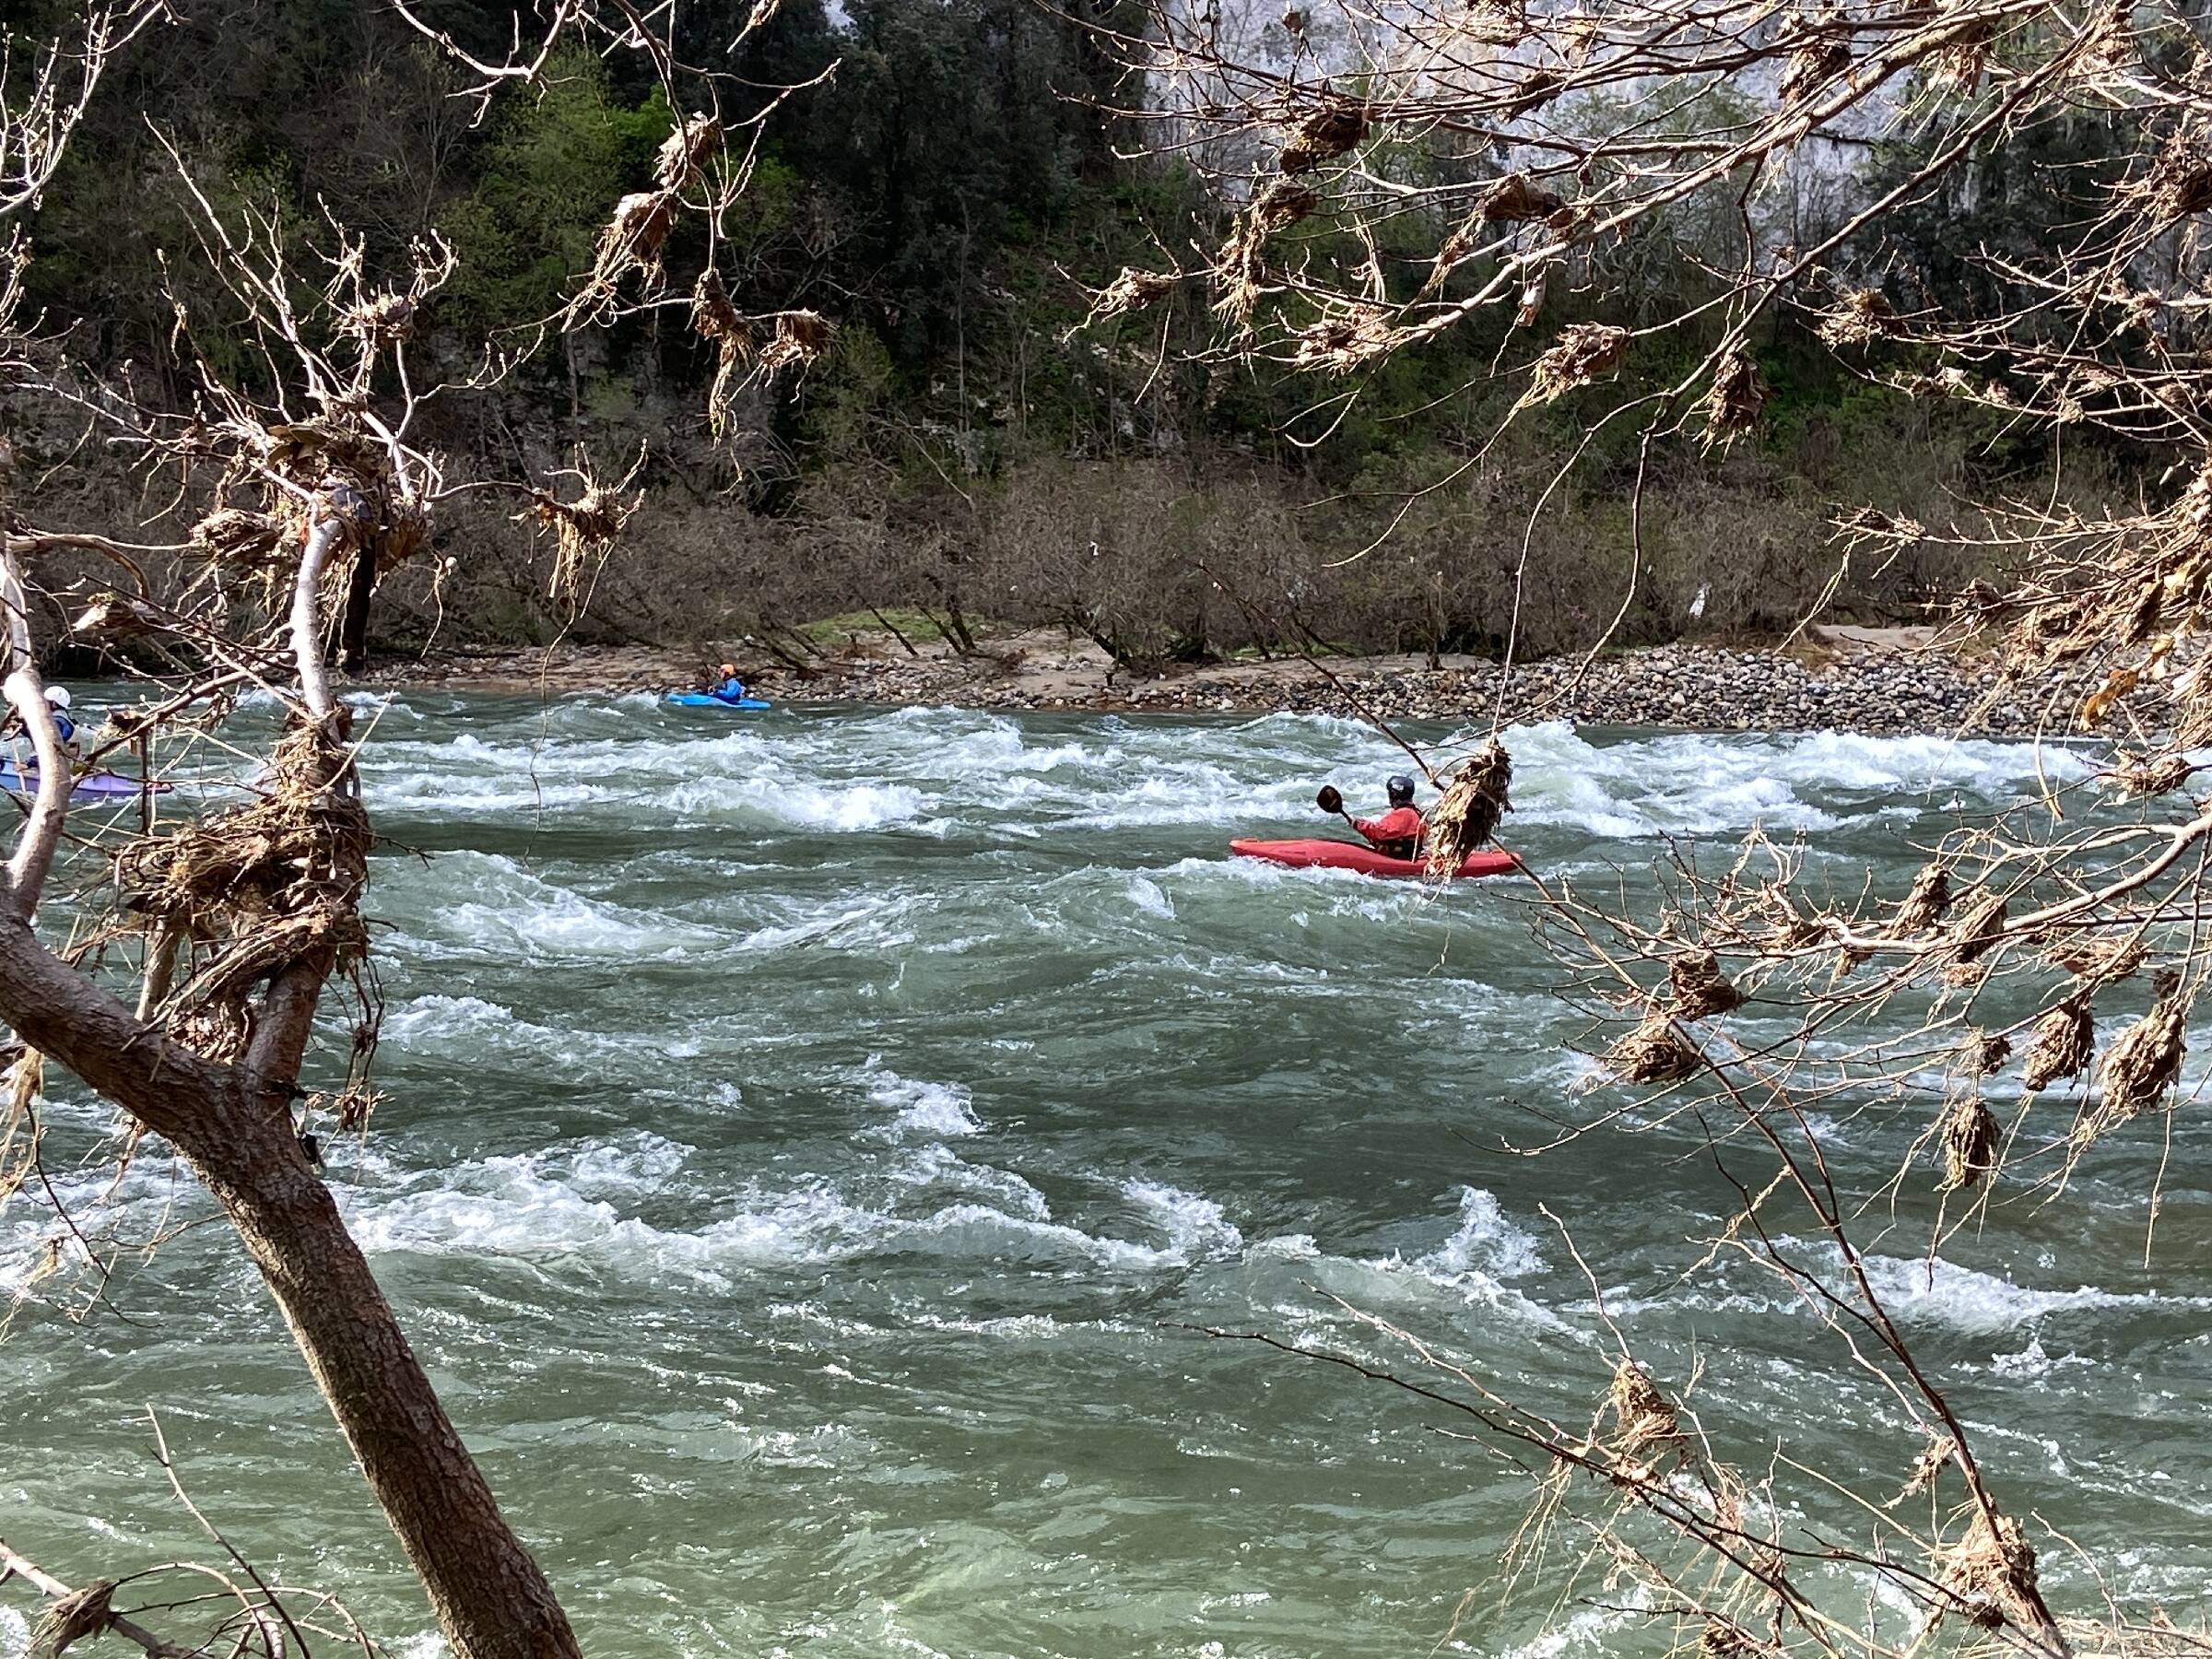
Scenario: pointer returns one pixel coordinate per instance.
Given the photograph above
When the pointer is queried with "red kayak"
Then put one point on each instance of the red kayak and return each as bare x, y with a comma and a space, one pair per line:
1352, 855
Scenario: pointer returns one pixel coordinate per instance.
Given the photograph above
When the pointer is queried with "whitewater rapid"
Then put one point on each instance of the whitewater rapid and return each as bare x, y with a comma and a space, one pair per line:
813, 1143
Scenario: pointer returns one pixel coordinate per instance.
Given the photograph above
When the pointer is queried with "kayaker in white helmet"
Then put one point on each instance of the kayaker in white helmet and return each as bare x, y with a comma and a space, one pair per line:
57, 698
1397, 833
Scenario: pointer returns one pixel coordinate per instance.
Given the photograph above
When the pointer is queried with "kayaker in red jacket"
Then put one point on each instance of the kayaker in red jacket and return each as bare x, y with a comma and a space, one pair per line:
1397, 833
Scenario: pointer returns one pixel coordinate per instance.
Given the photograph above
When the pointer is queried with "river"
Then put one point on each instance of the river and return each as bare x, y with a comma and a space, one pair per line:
811, 1139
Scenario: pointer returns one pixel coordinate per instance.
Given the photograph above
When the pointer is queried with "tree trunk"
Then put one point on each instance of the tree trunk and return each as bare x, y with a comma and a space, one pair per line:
361, 588
490, 1596
233, 1125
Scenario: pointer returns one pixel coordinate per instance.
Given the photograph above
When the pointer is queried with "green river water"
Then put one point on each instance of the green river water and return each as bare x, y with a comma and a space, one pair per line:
811, 1136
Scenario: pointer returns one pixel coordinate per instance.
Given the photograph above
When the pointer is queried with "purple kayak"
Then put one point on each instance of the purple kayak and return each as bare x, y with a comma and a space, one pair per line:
92, 786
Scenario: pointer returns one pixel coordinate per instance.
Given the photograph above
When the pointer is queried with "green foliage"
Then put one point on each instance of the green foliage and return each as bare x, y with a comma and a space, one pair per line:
952, 201
849, 391
546, 183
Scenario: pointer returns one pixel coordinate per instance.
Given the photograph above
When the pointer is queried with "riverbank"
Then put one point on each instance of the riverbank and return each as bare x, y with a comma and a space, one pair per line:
1877, 682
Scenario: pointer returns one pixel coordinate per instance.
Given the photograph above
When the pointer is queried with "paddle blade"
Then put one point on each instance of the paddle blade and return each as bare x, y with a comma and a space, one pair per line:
1328, 800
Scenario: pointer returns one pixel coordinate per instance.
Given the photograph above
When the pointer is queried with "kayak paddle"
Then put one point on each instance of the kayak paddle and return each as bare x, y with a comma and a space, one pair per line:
1328, 800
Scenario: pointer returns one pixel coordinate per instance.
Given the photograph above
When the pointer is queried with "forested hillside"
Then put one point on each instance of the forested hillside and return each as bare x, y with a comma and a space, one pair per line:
945, 189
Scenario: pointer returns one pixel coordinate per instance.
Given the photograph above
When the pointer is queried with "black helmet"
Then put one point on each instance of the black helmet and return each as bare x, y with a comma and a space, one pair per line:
1401, 791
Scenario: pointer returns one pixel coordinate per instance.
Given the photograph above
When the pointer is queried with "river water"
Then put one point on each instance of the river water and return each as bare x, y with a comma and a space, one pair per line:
811, 1137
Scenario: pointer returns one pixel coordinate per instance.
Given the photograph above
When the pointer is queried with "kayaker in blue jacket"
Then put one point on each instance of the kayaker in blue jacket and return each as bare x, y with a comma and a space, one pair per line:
57, 699
729, 688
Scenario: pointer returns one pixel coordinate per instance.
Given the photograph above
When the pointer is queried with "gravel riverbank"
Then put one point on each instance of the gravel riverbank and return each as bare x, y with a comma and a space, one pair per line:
1843, 680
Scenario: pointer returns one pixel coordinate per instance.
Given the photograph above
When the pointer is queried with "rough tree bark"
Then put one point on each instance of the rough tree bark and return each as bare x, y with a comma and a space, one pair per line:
234, 1128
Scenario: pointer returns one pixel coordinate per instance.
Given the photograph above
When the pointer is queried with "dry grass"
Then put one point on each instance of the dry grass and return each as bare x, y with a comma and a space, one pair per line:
2143, 1061
257, 887
1645, 1424
1924, 905
1992, 1572
1981, 1053
1699, 989
800, 338
1514, 200
717, 319
1324, 136
2161, 775
1816, 56
1239, 273
685, 153
583, 530
635, 236
2100, 961
233, 536
1860, 318
1132, 290
1738, 395
1585, 354
385, 320
631, 242
72, 1618
1466, 817
1340, 344
1980, 926
1653, 1052
1971, 1137
2061, 1046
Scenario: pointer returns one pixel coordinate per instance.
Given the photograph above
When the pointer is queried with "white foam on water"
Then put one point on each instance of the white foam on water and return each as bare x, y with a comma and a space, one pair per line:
1823, 1128
934, 1109
777, 800
545, 1206
487, 903
938, 1166
942, 771
1147, 896
153, 1193
1590, 1630
1483, 1252
1982, 1303
641, 1164
842, 926
1938, 1292
1025, 1327
1485, 1246
470, 1029
1196, 1225
1925, 764
2035, 1362
1692, 784
581, 1203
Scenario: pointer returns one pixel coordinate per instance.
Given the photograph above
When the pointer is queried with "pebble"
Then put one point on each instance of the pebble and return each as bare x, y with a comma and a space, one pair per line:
1685, 686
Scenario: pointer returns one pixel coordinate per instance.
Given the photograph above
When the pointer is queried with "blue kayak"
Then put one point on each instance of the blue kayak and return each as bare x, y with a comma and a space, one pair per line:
92, 786
707, 699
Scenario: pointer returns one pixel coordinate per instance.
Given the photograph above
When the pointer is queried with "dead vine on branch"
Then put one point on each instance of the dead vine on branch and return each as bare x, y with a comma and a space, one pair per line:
1503, 154
206, 933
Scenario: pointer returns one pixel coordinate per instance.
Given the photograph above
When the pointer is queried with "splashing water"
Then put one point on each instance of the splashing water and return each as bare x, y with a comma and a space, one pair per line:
812, 1137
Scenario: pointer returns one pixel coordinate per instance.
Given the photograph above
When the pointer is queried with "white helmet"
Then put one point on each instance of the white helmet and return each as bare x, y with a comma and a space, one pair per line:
58, 696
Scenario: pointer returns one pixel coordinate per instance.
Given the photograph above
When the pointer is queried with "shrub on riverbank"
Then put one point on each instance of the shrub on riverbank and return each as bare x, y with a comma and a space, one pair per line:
1163, 559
